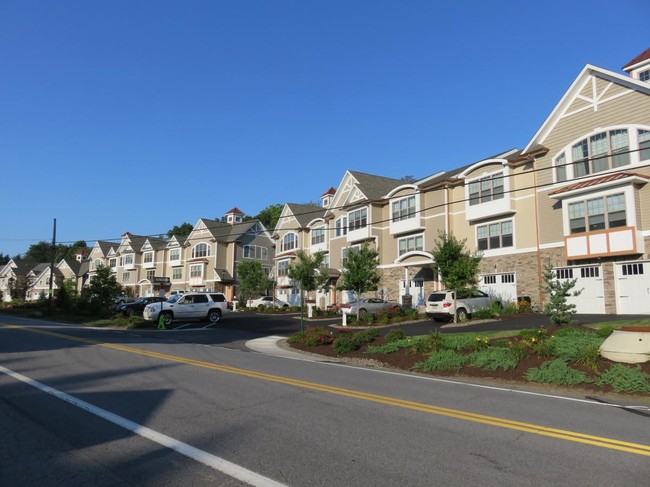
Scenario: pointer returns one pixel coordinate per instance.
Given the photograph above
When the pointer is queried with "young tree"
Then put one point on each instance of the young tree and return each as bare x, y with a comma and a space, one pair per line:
309, 273
251, 278
360, 273
102, 290
456, 266
558, 310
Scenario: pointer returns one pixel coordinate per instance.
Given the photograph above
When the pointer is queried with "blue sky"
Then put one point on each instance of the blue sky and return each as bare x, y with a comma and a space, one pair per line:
141, 115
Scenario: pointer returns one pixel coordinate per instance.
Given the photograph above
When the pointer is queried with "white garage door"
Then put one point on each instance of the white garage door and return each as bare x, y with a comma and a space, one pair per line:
501, 286
589, 279
633, 288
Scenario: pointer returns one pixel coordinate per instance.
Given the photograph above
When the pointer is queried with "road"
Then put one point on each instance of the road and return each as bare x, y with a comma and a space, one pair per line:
83, 406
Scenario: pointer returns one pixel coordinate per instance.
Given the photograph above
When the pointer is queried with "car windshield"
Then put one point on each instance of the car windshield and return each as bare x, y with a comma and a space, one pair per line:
174, 298
436, 297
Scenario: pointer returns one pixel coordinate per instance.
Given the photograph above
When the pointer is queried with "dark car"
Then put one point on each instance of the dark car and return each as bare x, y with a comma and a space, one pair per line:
137, 307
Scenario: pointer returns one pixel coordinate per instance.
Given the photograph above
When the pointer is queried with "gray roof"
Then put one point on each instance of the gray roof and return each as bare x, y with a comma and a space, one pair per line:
105, 247
226, 232
375, 187
306, 213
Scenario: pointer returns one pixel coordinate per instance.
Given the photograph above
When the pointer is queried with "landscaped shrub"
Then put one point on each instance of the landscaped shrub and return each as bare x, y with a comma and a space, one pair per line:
569, 343
344, 344
312, 337
365, 336
605, 331
392, 347
458, 341
480, 343
395, 335
625, 379
444, 360
483, 314
510, 309
557, 372
589, 356
493, 359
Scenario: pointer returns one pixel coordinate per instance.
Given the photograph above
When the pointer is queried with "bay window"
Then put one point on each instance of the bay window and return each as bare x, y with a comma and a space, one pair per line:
597, 214
494, 235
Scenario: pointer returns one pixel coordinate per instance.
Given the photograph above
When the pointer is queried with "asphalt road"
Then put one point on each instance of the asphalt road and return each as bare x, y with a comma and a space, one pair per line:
127, 408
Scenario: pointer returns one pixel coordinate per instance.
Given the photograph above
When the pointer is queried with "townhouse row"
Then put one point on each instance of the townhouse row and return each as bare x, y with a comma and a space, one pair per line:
576, 196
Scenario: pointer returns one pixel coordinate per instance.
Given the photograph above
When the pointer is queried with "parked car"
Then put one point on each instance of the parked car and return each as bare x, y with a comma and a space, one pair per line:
137, 306
267, 302
440, 304
123, 298
188, 306
368, 305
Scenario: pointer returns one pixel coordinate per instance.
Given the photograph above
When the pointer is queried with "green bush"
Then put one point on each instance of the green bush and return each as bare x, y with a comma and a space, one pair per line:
483, 314
457, 341
345, 344
557, 372
444, 360
365, 336
493, 359
589, 356
569, 344
623, 378
605, 331
392, 347
312, 337
394, 335
510, 309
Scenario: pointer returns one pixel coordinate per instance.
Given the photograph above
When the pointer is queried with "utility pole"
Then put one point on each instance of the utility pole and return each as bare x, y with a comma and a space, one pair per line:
52, 266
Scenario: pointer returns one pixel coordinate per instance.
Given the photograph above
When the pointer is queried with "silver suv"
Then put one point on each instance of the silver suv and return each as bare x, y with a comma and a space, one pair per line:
190, 306
440, 304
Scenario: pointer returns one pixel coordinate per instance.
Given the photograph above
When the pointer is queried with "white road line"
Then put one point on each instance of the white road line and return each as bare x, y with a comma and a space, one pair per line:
205, 458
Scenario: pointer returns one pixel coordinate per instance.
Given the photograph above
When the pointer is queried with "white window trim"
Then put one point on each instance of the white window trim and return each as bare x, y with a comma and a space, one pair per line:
494, 207
633, 138
630, 207
179, 255
414, 250
282, 242
191, 266
501, 250
208, 253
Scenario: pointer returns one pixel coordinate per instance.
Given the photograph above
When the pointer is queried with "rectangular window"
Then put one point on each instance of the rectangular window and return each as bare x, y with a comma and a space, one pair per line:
196, 270
560, 168
346, 250
632, 269
342, 226
150, 275
644, 145
486, 189
597, 214
147, 257
564, 274
174, 255
112, 263
177, 274
494, 235
490, 279
318, 236
126, 260
283, 267
645, 75
358, 219
403, 209
126, 276
507, 278
589, 272
255, 252
410, 244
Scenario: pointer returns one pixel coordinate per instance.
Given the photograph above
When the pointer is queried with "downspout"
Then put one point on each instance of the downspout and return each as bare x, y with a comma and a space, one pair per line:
539, 256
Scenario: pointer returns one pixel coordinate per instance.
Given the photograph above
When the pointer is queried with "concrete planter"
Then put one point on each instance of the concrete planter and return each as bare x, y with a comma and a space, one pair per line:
627, 345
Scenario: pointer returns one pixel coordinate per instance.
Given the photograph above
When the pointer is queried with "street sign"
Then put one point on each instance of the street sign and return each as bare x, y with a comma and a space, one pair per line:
161, 280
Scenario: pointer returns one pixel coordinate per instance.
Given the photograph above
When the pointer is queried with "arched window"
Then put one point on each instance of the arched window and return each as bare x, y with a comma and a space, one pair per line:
606, 150
201, 250
289, 242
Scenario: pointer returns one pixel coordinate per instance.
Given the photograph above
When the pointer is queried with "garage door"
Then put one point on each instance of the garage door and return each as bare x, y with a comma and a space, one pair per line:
589, 279
633, 288
501, 286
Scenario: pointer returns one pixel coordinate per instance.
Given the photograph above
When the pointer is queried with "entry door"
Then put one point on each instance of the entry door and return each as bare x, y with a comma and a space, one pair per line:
633, 288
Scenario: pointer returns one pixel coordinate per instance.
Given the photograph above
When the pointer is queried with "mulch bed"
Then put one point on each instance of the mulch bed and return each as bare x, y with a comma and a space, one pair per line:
405, 361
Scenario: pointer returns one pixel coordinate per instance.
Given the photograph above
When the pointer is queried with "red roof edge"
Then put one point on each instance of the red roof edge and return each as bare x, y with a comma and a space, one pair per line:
236, 211
641, 57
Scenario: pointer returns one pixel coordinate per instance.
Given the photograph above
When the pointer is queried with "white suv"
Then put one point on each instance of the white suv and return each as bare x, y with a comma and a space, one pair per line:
190, 306
440, 304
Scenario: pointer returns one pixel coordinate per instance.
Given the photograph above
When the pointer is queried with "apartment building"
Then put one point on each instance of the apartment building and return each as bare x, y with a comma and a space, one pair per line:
575, 197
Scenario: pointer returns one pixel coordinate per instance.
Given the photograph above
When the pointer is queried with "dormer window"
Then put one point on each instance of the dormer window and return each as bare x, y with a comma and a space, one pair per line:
486, 189
358, 219
645, 75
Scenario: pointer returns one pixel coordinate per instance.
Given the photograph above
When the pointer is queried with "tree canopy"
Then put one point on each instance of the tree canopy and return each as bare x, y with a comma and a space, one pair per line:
360, 272
180, 231
252, 279
308, 271
42, 251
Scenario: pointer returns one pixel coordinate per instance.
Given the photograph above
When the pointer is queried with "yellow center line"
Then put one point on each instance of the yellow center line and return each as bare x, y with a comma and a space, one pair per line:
602, 442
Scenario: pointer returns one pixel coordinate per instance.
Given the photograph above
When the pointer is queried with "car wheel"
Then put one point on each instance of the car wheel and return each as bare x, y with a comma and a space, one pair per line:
214, 316
260, 307
362, 312
167, 318
130, 312
462, 315
395, 309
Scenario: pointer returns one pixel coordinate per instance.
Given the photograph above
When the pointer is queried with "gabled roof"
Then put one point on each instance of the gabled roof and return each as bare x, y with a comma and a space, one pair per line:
375, 187
226, 232
235, 211
574, 90
23, 267
306, 213
105, 247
